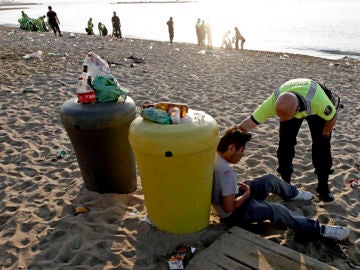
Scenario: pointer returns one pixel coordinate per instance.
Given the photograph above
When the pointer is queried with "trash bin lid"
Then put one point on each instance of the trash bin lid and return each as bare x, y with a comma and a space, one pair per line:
97, 115
156, 139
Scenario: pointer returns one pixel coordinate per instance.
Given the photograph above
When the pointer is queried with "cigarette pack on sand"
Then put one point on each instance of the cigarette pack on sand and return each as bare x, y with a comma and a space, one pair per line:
180, 257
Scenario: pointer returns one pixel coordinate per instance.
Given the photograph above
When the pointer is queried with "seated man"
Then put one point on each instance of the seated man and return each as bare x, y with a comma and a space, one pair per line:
243, 203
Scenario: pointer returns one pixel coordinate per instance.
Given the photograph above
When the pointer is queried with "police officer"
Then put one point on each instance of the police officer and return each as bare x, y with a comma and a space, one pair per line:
294, 101
89, 29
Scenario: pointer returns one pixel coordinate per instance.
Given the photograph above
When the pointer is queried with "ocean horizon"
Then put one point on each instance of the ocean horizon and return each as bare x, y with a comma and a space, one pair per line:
321, 28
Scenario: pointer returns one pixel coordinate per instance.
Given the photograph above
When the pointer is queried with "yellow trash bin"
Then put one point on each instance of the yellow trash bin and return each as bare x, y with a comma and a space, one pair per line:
176, 163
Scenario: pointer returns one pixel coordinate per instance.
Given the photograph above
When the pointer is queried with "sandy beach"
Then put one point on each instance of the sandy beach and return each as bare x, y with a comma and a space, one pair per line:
39, 193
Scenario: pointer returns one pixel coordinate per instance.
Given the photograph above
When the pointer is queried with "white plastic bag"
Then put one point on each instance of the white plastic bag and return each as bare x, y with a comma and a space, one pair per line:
34, 55
97, 66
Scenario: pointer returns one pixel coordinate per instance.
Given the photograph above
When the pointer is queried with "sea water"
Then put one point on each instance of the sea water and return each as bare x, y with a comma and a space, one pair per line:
323, 28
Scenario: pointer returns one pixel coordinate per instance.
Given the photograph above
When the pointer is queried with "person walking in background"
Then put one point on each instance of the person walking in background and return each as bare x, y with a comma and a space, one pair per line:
243, 203
292, 102
90, 27
53, 21
116, 25
100, 28
209, 45
238, 37
197, 28
170, 24
203, 33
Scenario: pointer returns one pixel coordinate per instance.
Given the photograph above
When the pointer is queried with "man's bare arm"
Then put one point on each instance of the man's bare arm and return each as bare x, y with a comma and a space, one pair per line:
247, 125
328, 127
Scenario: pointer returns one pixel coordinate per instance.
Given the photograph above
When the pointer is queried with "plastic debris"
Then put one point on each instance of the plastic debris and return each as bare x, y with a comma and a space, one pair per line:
28, 90
357, 166
62, 83
181, 256
147, 220
354, 183
81, 210
137, 60
134, 213
34, 55
61, 154
55, 54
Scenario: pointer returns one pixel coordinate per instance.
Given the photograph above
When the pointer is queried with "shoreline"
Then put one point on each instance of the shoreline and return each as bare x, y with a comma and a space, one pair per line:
16, 6
155, 2
40, 193
283, 54
344, 48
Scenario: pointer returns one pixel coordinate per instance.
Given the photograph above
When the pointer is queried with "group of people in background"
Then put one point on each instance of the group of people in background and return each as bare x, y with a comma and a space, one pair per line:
39, 24
204, 33
53, 23
203, 30
236, 38
115, 20
31, 24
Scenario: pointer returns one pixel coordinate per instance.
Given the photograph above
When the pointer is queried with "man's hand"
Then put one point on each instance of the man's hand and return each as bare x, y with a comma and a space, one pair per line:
246, 125
243, 187
328, 127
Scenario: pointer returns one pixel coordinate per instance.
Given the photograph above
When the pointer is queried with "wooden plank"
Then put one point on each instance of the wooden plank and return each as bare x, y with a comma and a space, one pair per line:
228, 262
241, 249
285, 252
215, 263
258, 257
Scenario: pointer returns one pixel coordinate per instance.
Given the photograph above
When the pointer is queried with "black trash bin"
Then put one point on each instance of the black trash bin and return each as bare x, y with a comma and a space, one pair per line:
99, 135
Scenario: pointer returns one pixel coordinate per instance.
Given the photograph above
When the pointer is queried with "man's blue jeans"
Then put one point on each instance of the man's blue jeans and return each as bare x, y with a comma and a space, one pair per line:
256, 209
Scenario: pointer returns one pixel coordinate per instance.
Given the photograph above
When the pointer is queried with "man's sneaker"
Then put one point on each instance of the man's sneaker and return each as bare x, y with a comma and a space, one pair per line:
302, 196
334, 232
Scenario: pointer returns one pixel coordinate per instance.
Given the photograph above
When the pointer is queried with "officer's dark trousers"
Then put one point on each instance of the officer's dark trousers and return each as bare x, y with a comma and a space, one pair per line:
321, 149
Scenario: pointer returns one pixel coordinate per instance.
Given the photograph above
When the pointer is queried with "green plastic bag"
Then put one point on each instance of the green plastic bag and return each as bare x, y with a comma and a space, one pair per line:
108, 90
156, 115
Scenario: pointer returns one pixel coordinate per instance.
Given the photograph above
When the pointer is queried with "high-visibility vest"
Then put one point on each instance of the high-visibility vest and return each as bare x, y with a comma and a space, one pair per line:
314, 98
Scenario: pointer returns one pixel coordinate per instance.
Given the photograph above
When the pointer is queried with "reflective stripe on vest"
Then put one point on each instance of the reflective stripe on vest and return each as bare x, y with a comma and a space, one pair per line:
308, 98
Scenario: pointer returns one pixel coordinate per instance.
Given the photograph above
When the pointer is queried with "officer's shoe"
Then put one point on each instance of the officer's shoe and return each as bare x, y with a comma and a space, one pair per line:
326, 196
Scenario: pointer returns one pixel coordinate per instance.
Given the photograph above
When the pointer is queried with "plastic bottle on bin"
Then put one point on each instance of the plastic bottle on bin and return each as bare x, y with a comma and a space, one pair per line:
174, 113
85, 92
85, 73
82, 80
81, 84
166, 106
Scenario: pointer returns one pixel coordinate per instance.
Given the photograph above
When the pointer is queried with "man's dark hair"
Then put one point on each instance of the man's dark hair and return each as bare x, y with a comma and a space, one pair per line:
49, 7
234, 136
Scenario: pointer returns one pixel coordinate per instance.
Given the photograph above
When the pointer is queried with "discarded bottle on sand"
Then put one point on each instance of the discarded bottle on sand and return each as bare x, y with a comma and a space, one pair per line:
166, 106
